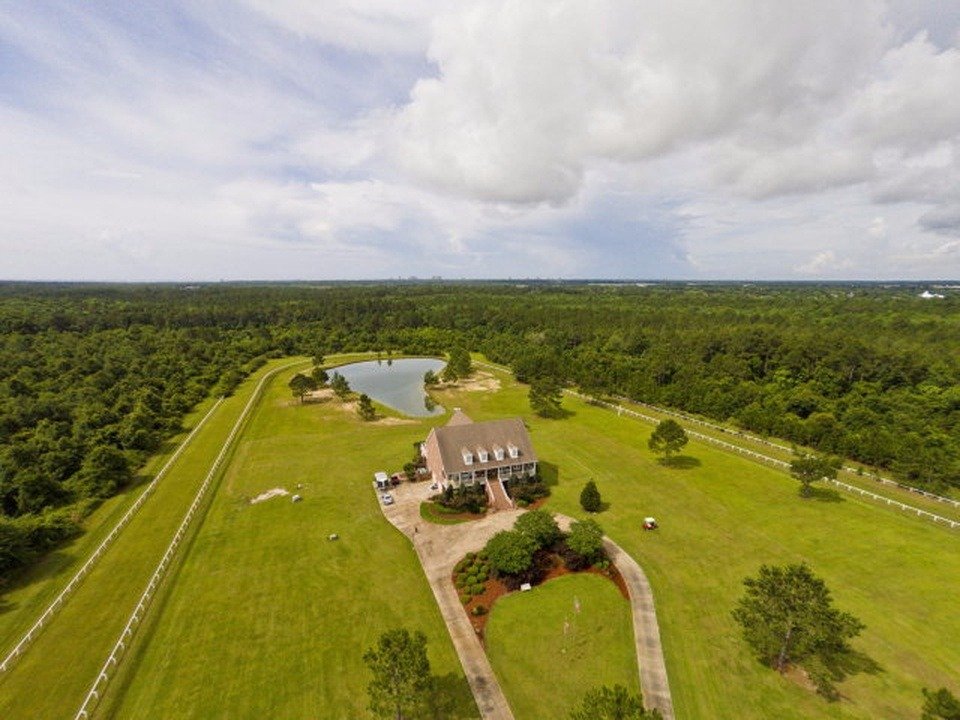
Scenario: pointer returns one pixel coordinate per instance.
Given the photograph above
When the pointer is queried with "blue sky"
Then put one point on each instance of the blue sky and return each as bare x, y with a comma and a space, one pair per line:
286, 139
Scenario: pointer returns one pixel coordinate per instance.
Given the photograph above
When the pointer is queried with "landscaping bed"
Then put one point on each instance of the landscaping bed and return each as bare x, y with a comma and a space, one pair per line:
432, 512
480, 582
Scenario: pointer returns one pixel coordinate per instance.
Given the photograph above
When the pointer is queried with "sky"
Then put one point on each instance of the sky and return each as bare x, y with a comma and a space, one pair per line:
349, 139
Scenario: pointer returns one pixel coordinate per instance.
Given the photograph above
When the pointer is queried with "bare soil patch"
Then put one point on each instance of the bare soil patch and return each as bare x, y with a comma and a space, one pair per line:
272, 493
479, 381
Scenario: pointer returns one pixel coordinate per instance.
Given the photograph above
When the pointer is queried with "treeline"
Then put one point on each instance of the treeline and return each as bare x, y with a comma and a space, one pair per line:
94, 378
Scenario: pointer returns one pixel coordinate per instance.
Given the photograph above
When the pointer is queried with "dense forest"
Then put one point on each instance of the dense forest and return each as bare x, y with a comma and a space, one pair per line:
94, 378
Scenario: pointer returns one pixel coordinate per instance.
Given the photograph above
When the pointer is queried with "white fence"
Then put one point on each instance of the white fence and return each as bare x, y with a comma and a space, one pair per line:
58, 602
620, 409
126, 637
953, 524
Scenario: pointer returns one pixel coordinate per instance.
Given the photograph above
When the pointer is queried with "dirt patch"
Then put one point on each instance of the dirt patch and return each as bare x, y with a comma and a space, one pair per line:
321, 395
262, 497
390, 420
480, 381
797, 674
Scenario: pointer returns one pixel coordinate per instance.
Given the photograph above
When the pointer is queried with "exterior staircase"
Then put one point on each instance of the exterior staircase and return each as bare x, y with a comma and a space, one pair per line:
499, 500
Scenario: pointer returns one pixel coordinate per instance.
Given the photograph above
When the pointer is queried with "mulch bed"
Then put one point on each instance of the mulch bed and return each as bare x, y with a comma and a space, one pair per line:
494, 589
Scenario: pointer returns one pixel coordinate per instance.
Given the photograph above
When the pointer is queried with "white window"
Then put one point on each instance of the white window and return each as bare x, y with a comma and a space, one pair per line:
467, 457
514, 450
498, 453
484, 455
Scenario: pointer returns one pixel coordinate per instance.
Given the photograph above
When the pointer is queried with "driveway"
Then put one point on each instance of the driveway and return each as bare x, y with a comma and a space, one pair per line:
440, 547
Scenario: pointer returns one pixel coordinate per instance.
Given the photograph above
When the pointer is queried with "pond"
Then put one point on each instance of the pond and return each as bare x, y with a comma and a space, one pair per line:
395, 383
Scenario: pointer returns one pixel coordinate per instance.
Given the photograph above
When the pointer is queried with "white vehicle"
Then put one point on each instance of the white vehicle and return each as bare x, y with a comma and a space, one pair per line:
386, 499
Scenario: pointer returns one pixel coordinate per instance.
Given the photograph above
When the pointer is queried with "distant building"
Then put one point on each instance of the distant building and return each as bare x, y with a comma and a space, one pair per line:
465, 453
927, 295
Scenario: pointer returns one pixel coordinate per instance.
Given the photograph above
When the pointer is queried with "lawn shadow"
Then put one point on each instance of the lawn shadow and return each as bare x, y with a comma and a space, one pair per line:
680, 462
824, 494
450, 698
549, 473
837, 667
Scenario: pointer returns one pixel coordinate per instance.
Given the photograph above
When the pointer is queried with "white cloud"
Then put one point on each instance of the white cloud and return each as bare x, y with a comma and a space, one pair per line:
517, 137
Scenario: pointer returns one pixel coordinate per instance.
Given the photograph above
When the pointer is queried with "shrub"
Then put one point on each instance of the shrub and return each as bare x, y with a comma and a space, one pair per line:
461, 566
521, 503
590, 497
478, 589
510, 552
479, 610
461, 581
539, 526
466, 598
586, 539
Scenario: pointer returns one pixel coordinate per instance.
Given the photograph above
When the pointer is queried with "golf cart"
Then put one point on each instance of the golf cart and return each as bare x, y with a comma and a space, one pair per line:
650, 523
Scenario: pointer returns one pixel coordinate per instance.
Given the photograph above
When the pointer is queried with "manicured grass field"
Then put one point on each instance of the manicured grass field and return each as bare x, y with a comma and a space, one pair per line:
269, 618
53, 676
547, 655
720, 519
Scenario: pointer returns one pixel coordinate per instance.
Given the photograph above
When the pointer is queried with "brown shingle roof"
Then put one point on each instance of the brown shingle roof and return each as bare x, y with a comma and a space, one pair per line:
451, 439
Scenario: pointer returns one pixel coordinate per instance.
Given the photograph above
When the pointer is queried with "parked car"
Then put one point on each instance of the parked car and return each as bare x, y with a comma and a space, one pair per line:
387, 499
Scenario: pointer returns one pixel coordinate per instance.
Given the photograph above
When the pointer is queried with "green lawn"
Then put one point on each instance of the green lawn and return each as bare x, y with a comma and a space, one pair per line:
66, 657
721, 519
268, 618
547, 655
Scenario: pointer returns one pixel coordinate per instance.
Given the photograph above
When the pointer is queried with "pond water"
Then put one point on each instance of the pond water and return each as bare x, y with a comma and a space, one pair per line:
396, 383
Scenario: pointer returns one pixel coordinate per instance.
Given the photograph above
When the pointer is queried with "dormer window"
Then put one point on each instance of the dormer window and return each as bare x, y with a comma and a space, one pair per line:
467, 456
513, 450
498, 452
483, 454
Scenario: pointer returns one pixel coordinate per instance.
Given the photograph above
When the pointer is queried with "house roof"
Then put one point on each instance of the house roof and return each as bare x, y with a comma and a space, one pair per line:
459, 417
452, 439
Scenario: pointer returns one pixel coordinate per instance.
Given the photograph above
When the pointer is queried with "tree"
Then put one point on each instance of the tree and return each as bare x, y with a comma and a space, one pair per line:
616, 703
318, 358
940, 705
339, 385
545, 397
103, 472
510, 552
301, 384
808, 469
319, 376
430, 378
365, 408
586, 539
667, 438
787, 616
401, 674
459, 363
539, 526
590, 497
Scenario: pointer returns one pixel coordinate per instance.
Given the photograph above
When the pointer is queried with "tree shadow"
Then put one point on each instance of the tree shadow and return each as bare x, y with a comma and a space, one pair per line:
680, 462
560, 413
826, 670
450, 697
549, 473
824, 494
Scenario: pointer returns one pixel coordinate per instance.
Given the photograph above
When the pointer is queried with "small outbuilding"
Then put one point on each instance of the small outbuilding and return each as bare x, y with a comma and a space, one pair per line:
381, 480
